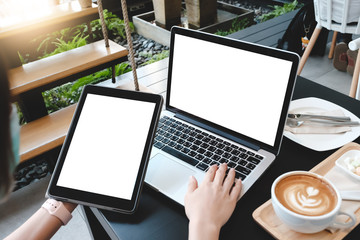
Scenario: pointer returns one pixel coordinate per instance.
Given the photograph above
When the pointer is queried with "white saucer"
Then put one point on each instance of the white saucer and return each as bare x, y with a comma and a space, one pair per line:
321, 142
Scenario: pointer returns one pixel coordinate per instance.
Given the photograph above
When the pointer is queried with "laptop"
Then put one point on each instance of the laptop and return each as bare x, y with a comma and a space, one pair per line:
226, 101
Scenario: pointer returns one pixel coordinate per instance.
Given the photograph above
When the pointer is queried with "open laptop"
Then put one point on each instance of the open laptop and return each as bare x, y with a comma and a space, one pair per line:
226, 101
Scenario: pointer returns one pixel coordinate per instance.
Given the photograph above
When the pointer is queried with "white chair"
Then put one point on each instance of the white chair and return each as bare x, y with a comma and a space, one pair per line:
336, 15
354, 89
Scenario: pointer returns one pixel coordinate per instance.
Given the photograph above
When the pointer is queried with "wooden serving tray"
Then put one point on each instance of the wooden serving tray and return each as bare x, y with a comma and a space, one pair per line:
266, 217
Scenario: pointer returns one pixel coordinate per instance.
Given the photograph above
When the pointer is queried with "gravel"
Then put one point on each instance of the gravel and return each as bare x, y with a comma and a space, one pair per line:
259, 7
32, 173
144, 48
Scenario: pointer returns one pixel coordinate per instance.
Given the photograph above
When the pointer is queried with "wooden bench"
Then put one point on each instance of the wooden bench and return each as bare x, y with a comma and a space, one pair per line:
27, 82
50, 70
45, 134
267, 33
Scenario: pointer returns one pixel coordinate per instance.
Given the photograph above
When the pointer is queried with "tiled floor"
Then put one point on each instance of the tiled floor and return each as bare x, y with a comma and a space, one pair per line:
320, 70
27, 200
24, 202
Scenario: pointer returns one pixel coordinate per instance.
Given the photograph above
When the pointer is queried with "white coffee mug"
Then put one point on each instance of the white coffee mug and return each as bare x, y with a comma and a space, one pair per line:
310, 224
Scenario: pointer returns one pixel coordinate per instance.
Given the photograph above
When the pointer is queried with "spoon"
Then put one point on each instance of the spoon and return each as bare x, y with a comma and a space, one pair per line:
298, 123
350, 195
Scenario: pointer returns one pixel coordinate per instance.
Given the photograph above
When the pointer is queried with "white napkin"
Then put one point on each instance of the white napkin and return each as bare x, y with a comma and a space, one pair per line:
317, 128
342, 182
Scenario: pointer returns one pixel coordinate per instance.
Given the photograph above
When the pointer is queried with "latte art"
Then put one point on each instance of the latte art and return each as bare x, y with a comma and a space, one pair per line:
306, 195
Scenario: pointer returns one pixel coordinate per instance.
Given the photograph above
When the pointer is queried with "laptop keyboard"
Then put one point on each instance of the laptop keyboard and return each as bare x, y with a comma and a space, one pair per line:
201, 149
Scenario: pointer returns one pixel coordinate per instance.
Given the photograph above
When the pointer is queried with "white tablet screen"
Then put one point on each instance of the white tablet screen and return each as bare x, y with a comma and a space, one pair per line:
107, 146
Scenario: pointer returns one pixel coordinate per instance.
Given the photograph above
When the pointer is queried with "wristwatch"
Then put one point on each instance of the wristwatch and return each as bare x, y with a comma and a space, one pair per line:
58, 210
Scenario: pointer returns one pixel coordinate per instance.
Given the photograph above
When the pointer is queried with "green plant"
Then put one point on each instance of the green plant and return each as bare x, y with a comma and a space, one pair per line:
69, 93
20, 114
236, 25
58, 97
100, 76
157, 57
279, 10
49, 44
22, 59
63, 45
114, 24
145, 54
46, 42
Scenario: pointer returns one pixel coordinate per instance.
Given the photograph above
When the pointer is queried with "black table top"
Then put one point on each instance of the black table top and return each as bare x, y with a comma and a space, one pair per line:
159, 218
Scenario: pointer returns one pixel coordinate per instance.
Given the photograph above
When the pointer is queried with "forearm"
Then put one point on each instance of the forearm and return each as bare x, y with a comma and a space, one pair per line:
200, 231
41, 225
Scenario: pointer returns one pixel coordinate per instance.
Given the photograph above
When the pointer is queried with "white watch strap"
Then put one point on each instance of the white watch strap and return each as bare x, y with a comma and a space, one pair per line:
58, 210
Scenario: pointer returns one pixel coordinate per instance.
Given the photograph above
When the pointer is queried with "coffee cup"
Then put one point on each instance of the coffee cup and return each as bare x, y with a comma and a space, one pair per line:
307, 202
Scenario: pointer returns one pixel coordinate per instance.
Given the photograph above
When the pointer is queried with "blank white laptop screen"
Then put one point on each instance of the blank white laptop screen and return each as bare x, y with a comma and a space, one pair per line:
103, 144
204, 86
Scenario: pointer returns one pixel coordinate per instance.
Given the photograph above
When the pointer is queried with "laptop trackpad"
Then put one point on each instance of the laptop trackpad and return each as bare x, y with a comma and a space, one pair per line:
166, 174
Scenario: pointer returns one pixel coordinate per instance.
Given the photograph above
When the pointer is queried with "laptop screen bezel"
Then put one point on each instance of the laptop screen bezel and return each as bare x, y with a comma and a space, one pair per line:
238, 44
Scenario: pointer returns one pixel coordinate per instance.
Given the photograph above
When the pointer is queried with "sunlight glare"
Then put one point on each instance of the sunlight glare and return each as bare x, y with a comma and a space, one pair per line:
13, 12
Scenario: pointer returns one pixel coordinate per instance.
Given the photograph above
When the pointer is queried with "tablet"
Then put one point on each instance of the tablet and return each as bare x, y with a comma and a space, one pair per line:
104, 158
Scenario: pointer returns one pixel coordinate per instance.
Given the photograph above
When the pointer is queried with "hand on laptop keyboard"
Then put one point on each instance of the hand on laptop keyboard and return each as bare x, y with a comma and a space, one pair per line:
210, 205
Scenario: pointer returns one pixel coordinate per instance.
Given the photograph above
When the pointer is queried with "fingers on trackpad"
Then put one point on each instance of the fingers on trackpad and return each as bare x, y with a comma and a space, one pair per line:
166, 174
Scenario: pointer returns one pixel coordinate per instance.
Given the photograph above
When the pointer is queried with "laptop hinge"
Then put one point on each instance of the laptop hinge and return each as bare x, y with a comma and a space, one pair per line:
218, 132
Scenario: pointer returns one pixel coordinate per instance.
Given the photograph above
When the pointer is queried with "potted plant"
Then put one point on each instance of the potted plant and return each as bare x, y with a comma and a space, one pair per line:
85, 3
167, 12
201, 13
